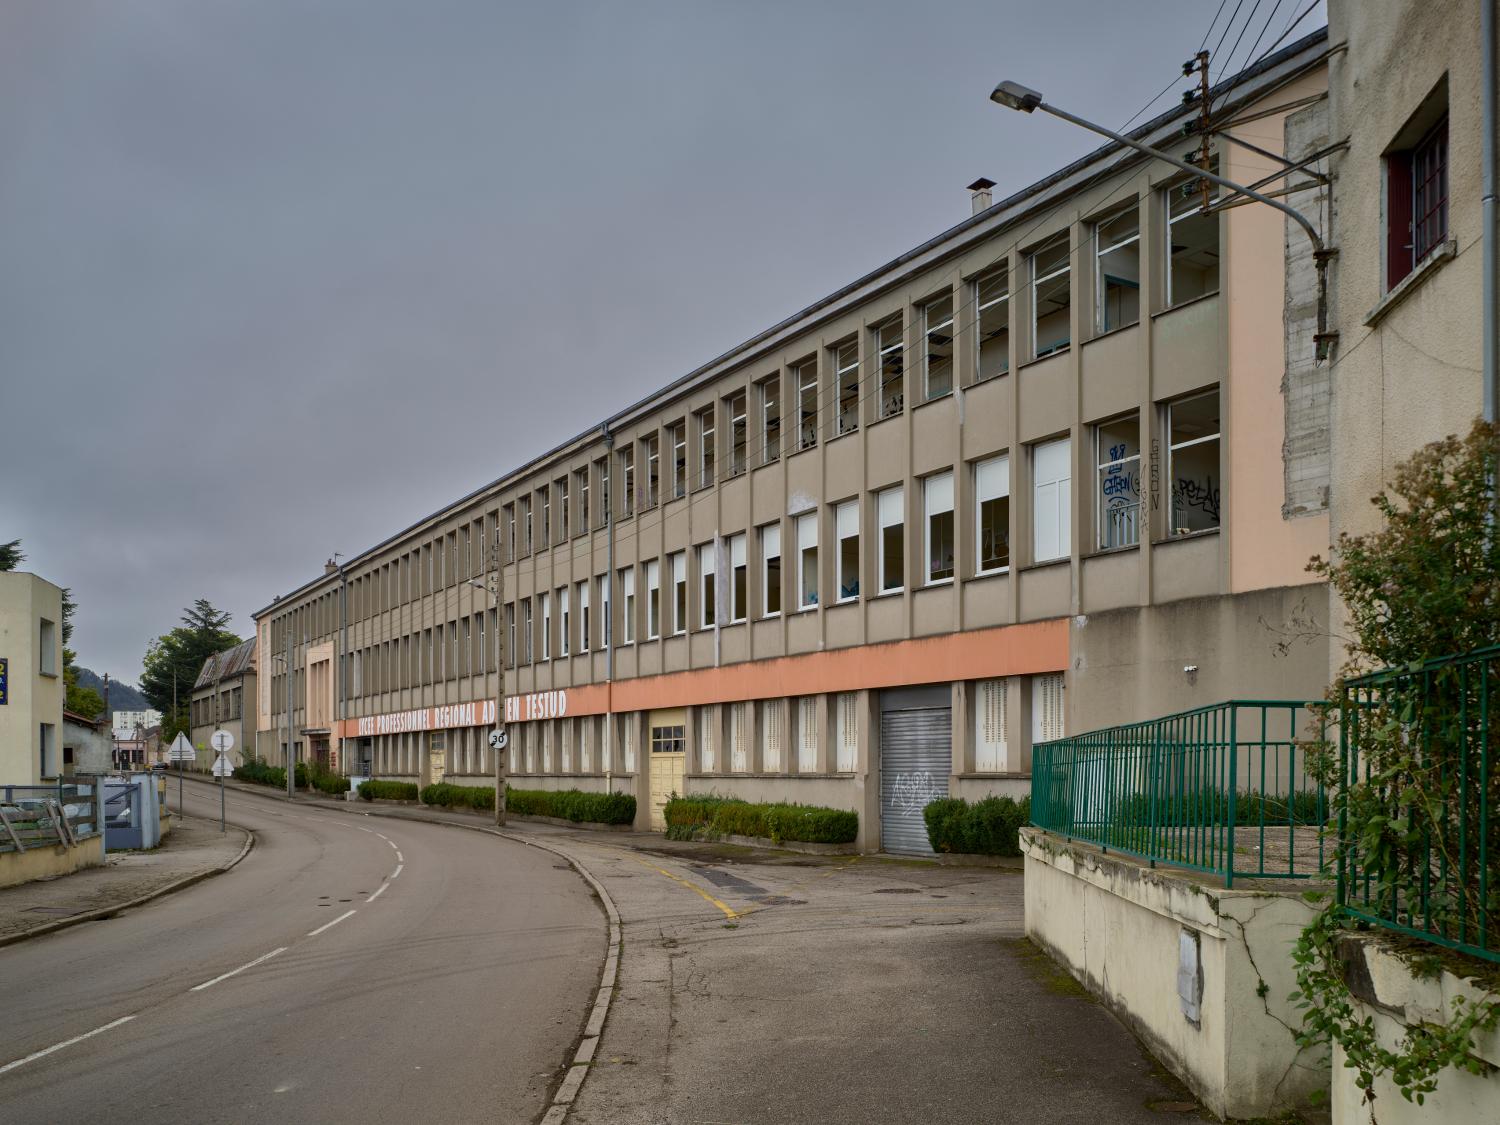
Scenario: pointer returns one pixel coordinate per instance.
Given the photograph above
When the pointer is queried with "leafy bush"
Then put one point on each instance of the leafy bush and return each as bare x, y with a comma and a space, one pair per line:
987, 827
458, 796
572, 804
388, 791
323, 780
710, 816
256, 771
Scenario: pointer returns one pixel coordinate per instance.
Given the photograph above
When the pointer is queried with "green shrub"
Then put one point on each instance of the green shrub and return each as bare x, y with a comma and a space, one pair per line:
458, 796
388, 791
256, 771
572, 804
711, 816
987, 827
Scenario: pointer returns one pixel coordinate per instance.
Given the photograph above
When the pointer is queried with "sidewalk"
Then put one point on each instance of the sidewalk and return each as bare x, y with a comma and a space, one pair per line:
194, 850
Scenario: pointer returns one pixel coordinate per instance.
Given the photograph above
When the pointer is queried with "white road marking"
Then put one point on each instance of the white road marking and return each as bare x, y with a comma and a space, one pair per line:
396, 874
65, 1043
399, 857
378, 893
241, 969
330, 925
391, 842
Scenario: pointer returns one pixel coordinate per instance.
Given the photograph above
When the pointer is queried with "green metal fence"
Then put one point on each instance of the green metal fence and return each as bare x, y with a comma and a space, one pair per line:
1221, 789
1419, 801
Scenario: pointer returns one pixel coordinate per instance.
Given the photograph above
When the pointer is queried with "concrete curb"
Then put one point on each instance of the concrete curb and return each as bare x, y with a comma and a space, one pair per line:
578, 1069
111, 911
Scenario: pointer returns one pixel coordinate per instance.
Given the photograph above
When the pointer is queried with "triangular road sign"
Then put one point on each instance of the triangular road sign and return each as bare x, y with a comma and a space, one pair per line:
182, 750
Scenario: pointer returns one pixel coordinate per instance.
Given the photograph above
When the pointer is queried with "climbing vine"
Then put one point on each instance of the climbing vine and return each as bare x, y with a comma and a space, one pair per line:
1424, 585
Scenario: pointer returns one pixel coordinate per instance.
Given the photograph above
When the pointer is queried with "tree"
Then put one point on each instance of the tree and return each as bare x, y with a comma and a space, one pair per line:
11, 555
181, 653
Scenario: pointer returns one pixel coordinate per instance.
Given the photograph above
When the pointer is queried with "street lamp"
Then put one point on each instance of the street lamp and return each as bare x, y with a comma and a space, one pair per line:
1013, 95
496, 591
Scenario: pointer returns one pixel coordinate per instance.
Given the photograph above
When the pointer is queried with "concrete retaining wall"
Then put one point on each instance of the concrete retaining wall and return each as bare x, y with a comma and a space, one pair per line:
1201, 974
1386, 990
48, 861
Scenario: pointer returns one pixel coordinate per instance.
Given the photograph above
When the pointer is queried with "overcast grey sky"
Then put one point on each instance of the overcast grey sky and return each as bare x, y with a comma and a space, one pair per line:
263, 259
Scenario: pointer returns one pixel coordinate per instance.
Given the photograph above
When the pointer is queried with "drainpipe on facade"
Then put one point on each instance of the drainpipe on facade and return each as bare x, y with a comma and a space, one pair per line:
1490, 118
342, 670
605, 623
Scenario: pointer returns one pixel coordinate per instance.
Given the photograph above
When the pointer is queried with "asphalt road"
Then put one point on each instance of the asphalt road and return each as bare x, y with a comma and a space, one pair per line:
350, 969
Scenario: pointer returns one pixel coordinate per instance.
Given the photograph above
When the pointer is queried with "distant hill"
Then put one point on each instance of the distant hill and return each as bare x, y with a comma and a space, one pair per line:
122, 697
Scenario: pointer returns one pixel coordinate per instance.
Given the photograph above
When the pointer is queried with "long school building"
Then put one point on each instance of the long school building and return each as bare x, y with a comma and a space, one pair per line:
1058, 468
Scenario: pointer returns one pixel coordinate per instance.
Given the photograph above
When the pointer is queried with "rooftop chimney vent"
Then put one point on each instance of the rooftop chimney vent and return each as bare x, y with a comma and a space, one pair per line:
981, 198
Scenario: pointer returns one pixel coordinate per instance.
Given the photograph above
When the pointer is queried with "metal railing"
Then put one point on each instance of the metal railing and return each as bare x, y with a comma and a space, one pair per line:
1222, 789
1419, 801
36, 816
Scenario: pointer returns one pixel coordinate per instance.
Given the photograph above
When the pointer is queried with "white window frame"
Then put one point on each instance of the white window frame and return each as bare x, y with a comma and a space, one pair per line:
770, 548
653, 599
739, 738
938, 500
807, 380
890, 407
1100, 250
1051, 487
706, 740
929, 329
1048, 709
1104, 464
845, 361
737, 596
807, 538
890, 511
627, 605
980, 307
564, 620
1173, 448
770, 736
770, 403
1037, 281
845, 527
678, 568
708, 586
546, 625
991, 482
583, 619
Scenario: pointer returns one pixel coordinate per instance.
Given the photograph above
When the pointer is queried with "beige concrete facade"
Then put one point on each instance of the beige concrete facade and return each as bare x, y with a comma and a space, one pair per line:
31, 710
1407, 369
1065, 409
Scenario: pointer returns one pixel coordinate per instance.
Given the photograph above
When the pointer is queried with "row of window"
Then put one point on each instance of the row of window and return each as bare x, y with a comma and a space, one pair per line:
1192, 467
556, 512
787, 737
212, 709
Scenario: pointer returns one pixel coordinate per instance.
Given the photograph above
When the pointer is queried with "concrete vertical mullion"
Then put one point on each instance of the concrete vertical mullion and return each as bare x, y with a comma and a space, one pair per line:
1078, 263
1150, 245
1020, 471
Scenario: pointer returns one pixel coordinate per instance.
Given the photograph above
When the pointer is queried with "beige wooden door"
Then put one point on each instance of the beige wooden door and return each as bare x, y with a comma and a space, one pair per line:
668, 765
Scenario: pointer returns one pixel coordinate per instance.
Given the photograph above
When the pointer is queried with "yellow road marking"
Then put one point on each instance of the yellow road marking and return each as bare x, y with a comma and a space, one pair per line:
697, 890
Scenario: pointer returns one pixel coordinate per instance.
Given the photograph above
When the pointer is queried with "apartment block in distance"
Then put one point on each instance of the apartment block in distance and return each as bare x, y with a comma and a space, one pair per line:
1029, 478
31, 683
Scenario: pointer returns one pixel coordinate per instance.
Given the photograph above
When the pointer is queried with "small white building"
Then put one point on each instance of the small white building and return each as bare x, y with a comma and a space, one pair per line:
128, 724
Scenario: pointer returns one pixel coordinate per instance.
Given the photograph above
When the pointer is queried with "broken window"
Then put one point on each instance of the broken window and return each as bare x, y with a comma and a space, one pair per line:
677, 435
739, 590
846, 531
846, 377
738, 432
627, 616
770, 419
564, 508
652, 445
890, 355
1192, 243
601, 475
805, 379
705, 447
627, 480
1118, 500
678, 561
581, 486
707, 591
1051, 298
1117, 268
807, 561
653, 599
1193, 463
992, 307
937, 362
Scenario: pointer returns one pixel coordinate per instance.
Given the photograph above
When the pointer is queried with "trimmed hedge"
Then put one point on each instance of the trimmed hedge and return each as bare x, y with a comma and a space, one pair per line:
458, 796
987, 827
712, 816
572, 804
258, 772
388, 790
334, 784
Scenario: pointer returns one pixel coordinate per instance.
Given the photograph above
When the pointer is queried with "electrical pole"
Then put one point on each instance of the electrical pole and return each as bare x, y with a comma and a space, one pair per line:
1205, 123
501, 755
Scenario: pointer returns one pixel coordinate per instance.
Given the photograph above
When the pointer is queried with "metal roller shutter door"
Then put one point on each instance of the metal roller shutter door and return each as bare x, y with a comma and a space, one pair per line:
916, 756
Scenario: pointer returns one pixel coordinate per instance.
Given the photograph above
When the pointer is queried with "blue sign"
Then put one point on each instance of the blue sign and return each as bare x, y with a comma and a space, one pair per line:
4, 681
